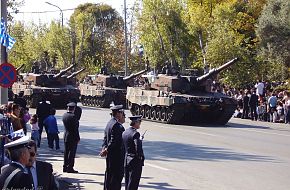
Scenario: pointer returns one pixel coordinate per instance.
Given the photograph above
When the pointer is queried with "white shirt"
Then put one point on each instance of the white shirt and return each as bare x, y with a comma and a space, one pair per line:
34, 175
260, 88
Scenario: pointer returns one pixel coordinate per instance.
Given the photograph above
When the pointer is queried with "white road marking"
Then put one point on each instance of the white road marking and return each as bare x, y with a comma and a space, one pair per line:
155, 166
269, 133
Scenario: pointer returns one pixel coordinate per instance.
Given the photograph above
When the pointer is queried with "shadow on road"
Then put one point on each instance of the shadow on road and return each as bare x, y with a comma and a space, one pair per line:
159, 186
165, 151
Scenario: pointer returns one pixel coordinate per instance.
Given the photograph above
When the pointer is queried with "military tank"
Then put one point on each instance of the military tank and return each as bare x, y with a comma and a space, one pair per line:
57, 88
182, 99
102, 89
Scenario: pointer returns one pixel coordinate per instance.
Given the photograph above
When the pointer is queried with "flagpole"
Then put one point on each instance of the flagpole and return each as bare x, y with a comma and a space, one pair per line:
3, 54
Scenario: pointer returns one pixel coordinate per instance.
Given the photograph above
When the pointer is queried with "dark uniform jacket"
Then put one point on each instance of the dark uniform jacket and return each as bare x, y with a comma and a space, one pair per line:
133, 148
71, 125
43, 110
45, 178
78, 112
254, 100
20, 180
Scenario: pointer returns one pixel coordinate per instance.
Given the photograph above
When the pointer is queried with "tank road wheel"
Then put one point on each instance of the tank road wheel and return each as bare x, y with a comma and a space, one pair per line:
94, 102
147, 112
85, 101
169, 114
142, 111
97, 101
138, 110
163, 114
152, 113
158, 113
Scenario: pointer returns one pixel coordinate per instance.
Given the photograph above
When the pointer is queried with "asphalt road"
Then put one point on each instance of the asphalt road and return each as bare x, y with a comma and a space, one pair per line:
246, 155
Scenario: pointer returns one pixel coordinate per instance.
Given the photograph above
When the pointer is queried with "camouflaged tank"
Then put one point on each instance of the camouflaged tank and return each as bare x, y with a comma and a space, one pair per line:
101, 90
182, 99
58, 88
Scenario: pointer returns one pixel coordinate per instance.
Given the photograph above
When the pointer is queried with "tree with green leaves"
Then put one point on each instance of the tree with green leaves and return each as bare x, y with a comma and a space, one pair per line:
99, 35
273, 30
163, 33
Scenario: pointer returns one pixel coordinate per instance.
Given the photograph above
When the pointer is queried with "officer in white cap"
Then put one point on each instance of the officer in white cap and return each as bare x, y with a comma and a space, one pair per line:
14, 175
113, 149
134, 157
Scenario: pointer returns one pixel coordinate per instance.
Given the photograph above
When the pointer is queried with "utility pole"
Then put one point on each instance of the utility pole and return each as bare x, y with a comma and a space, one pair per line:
3, 54
61, 12
126, 40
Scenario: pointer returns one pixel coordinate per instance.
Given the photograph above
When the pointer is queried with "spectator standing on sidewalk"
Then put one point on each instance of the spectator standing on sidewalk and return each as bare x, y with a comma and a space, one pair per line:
286, 100
253, 103
246, 105
34, 129
42, 111
52, 130
272, 104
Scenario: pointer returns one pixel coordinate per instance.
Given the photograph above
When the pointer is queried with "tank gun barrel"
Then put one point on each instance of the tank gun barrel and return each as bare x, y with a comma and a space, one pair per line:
134, 75
75, 73
62, 72
216, 71
20, 67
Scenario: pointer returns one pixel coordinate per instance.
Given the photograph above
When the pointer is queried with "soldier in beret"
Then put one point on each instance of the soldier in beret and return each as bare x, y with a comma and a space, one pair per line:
134, 156
15, 175
113, 149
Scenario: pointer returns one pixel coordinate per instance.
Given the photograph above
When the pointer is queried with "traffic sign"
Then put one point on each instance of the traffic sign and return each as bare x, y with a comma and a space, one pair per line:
8, 75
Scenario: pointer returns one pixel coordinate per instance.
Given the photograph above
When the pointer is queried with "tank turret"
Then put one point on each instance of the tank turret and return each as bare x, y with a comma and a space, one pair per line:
185, 84
19, 68
75, 73
71, 79
64, 71
56, 88
216, 71
128, 79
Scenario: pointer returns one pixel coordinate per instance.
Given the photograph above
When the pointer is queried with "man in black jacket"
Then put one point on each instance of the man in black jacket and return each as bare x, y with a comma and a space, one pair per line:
15, 175
71, 138
42, 111
113, 149
246, 98
253, 103
134, 158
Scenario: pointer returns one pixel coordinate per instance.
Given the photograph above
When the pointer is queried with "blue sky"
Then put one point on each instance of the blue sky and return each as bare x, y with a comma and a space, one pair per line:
40, 5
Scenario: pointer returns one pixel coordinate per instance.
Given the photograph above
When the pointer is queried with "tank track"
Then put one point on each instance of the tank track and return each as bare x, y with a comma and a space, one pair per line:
93, 101
161, 114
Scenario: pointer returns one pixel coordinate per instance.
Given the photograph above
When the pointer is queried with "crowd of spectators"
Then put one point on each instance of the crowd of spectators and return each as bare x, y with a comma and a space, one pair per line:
262, 102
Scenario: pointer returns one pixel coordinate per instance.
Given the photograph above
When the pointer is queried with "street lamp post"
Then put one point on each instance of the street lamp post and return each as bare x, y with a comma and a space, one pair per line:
61, 12
3, 53
126, 41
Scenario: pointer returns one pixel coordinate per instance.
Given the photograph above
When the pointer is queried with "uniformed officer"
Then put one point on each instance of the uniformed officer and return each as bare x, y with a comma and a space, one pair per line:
71, 138
113, 149
15, 175
134, 156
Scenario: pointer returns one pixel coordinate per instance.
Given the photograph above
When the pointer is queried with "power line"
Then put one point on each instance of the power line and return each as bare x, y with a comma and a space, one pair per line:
39, 12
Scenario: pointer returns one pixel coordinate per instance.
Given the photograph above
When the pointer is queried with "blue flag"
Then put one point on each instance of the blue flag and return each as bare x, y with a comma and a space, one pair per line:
5, 39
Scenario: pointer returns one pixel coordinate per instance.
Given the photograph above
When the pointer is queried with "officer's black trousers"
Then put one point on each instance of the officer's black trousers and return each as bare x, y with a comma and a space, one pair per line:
114, 173
132, 176
70, 149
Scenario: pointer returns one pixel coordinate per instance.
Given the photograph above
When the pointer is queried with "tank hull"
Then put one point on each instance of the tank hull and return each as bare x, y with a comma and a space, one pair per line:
93, 96
58, 96
176, 108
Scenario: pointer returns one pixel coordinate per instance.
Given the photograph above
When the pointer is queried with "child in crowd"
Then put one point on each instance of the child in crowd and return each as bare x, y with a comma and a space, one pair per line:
52, 130
280, 112
34, 129
261, 110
